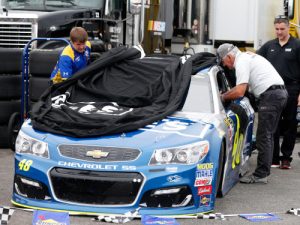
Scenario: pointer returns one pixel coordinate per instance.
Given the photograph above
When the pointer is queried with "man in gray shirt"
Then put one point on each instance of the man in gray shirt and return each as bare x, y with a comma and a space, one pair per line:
255, 74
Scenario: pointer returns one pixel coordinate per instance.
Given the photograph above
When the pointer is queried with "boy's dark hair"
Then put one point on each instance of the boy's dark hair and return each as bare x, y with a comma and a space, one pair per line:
78, 34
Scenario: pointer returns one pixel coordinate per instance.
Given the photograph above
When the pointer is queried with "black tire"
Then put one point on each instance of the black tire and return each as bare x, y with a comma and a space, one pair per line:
10, 86
7, 109
14, 125
220, 174
3, 136
37, 85
53, 45
42, 62
11, 60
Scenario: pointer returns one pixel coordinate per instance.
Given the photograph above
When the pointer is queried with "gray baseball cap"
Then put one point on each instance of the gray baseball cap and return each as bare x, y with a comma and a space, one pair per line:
223, 50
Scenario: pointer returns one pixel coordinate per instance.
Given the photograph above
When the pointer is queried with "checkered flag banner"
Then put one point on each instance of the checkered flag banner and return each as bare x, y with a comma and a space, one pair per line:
212, 216
126, 217
293, 211
5, 214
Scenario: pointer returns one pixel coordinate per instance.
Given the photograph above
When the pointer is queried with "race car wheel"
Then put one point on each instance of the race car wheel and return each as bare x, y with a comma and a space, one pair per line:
14, 125
220, 171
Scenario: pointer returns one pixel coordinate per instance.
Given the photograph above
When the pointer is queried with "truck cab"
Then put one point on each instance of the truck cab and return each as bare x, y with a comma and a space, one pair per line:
105, 21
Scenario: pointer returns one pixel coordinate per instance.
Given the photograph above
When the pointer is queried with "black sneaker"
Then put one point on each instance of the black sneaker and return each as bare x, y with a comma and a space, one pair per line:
253, 179
285, 164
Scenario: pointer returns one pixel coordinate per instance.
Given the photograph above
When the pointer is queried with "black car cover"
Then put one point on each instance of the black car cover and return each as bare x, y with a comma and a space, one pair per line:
119, 92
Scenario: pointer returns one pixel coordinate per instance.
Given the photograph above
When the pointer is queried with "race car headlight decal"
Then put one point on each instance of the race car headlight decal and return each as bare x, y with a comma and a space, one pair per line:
28, 145
163, 156
187, 154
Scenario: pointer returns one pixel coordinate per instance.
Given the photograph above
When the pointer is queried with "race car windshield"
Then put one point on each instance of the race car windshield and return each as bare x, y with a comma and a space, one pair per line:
199, 97
50, 5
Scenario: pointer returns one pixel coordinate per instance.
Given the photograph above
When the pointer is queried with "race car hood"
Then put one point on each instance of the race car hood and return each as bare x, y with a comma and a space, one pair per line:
171, 131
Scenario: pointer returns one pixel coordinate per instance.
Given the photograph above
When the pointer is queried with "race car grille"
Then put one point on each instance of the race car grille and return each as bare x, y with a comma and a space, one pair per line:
15, 34
96, 188
99, 154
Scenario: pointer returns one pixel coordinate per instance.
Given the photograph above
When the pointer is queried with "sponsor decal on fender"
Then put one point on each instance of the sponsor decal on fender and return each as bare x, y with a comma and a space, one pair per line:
205, 190
174, 178
205, 166
204, 174
205, 200
203, 181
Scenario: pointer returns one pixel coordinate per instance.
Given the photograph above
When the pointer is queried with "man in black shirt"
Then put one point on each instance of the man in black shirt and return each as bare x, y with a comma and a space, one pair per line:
284, 54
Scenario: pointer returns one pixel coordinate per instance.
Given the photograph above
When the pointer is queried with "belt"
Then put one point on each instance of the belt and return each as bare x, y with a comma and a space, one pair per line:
275, 87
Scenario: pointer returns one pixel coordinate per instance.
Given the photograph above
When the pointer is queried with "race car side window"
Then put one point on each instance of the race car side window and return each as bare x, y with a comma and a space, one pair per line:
222, 82
230, 77
223, 85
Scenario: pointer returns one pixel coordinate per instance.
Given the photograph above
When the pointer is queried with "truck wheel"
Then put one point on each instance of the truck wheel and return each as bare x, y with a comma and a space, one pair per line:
14, 125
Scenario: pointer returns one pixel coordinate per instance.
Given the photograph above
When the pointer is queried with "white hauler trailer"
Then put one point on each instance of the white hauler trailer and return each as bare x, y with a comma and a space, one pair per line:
246, 23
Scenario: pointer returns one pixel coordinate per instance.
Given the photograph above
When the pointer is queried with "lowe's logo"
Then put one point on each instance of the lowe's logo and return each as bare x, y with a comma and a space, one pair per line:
174, 178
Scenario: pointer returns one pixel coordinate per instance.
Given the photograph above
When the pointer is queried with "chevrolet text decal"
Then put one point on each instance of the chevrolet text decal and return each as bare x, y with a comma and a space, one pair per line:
96, 166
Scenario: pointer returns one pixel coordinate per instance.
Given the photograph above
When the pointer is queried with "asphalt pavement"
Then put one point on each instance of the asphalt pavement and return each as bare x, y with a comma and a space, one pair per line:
278, 196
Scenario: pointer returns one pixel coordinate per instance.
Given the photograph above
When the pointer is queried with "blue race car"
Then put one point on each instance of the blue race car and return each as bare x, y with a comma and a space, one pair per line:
174, 166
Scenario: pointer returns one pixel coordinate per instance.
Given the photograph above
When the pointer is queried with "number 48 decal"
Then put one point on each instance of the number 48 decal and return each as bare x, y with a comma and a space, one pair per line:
25, 164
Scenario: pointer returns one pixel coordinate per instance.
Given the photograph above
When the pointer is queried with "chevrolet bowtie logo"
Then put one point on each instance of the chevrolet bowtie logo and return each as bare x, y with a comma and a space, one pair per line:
97, 154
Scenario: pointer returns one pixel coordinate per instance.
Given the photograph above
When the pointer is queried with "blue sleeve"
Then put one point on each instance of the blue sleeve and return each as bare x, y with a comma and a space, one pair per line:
65, 66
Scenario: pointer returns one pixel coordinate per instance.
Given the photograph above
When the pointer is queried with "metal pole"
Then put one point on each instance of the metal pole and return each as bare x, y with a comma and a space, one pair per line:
142, 21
